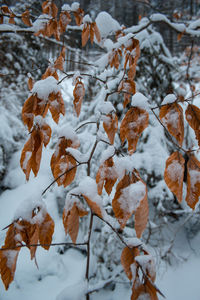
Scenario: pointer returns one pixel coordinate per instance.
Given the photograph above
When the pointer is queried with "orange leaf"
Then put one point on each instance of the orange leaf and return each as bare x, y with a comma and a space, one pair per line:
65, 169
31, 153
130, 192
78, 16
174, 174
132, 126
171, 116
93, 206
110, 124
92, 33
97, 32
28, 111
129, 87
12, 19
78, 93
1, 19
56, 106
5, 10
193, 181
26, 18
127, 259
30, 83
192, 114
85, 34
71, 220
64, 20
141, 216
8, 260
46, 230
106, 176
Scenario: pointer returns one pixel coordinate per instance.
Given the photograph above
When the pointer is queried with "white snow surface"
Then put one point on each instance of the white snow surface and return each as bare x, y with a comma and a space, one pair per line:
170, 98
106, 24
139, 100
45, 87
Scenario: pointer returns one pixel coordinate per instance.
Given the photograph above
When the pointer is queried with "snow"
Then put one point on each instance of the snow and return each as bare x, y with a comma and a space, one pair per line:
40, 22
175, 171
75, 6
170, 98
131, 196
45, 87
139, 100
69, 133
87, 19
66, 7
106, 24
106, 108
88, 187
109, 152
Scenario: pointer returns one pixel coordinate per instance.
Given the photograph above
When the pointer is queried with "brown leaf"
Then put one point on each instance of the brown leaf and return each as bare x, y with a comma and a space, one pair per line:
192, 114
171, 116
141, 216
26, 18
8, 260
65, 169
71, 220
46, 230
174, 174
12, 18
129, 87
78, 93
30, 83
93, 206
97, 32
5, 10
129, 195
78, 16
193, 181
31, 153
85, 34
110, 125
64, 20
132, 126
106, 176
92, 33
56, 106
1, 19
28, 111
127, 259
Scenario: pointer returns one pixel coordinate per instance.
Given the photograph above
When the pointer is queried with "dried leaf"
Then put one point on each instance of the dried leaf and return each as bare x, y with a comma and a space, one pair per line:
46, 230
78, 93
12, 18
92, 33
192, 114
97, 32
174, 174
30, 83
8, 260
56, 106
65, 170
71, 220
127, 259
129, 87
31, 153
5, 10
93, 206
28, 111
85, 34
130, 192
171, 116
78, 16
106, 176
132, 126
110, 125
141, 216
193, 181
64, 20
26, 18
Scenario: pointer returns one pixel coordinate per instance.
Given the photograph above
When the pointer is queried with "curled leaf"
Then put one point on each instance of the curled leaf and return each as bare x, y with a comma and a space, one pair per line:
174, 174
193, 181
